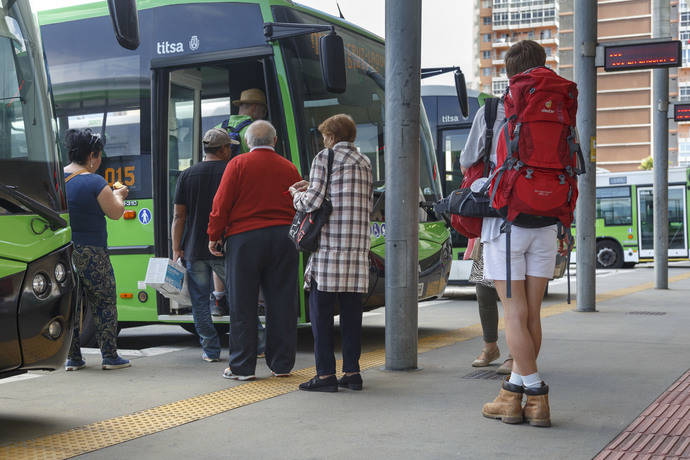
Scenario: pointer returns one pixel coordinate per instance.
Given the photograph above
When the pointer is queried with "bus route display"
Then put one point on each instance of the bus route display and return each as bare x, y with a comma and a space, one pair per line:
648, 55
681, 112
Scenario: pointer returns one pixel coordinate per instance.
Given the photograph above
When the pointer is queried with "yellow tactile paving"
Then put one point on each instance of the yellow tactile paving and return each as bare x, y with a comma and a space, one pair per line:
99, 435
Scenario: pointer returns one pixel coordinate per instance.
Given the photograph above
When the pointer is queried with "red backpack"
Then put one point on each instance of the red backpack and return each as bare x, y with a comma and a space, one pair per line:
538, 155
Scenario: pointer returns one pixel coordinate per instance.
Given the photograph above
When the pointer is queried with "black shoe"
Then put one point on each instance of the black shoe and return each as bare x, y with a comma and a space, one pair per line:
329, 384
353, 382
219, 307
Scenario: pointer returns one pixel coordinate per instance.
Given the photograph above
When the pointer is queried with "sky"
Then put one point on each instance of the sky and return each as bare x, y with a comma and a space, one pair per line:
447, 36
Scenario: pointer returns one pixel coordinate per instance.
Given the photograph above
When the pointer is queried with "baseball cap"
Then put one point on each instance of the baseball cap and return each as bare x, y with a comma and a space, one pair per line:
216, 137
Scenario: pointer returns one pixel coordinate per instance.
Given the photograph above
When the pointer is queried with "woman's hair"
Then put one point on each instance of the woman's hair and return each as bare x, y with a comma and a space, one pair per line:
81, 143
524, 55
340, 127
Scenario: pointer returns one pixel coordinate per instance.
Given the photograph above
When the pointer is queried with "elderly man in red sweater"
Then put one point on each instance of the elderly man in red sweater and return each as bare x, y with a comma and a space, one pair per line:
252, 209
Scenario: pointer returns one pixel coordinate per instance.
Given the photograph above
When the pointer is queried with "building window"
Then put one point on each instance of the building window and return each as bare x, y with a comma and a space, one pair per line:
486, 37
486, 54
530, 35
486, 20
684, 92
486, 3
486, 71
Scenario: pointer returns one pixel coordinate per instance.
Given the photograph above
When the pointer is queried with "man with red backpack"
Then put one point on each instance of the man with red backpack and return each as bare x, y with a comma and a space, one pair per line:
534, 188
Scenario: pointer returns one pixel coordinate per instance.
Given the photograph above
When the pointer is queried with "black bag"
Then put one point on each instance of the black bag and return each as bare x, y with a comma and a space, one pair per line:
306, 226
472, 199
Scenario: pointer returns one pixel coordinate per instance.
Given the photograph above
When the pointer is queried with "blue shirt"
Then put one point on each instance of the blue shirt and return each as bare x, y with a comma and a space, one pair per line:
86, 217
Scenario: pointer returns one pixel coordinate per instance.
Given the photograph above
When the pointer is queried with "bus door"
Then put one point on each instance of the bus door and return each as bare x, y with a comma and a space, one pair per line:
191, 95
451, 143
677, 218
184, 121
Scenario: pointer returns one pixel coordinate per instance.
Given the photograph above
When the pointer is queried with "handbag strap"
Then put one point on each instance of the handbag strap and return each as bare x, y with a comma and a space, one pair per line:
331, 154
74, 174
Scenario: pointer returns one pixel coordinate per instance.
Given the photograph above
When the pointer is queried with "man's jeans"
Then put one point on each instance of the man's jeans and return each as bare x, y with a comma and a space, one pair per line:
200, 288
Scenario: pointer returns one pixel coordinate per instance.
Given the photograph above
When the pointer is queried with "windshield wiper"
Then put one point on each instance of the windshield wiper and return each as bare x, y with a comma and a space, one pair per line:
53, 218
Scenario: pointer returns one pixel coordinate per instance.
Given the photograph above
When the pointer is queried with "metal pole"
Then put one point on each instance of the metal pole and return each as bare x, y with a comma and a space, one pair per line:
660, 16
586, 79
403, 62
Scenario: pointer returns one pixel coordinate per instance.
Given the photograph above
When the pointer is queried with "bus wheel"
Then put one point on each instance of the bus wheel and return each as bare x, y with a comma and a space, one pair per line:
221, 329
609, 254
189, 327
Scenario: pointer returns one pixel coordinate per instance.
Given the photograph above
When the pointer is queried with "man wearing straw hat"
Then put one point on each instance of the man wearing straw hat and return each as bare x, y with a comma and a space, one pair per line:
252, 106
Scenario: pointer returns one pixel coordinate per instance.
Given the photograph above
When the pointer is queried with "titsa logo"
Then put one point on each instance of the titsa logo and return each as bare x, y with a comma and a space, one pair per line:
169, 47
194, 43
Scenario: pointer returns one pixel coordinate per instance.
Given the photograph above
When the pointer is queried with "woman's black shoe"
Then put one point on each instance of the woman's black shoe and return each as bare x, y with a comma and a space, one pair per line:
329, 384
353, 382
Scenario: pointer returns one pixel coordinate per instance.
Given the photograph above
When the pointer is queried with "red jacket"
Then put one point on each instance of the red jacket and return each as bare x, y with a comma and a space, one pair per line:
253, 194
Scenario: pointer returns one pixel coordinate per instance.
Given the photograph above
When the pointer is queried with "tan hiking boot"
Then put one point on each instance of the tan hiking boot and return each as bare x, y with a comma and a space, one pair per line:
507, 406
486, 357
537, 411
506, 368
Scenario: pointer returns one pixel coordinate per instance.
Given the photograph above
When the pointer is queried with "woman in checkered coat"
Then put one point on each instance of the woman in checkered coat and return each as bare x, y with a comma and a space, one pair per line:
339, 270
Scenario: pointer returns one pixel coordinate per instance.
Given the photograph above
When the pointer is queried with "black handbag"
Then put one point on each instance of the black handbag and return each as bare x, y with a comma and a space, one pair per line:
306, 226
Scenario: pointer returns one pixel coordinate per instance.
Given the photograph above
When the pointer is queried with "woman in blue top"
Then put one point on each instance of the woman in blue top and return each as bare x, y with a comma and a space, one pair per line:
90, 199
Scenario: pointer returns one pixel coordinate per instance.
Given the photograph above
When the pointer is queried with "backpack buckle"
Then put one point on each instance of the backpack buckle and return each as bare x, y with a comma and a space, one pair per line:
518, 164
561, 178
528, 173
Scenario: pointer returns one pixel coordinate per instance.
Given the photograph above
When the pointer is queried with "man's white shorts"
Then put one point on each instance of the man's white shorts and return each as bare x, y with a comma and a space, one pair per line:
532, 253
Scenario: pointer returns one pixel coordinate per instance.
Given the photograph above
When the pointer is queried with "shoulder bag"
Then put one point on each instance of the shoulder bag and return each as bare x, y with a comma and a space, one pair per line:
306, 226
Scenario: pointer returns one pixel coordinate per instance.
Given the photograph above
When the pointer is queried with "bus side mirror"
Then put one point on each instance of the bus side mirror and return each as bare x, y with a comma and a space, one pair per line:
333, 62
461, 90
125, 19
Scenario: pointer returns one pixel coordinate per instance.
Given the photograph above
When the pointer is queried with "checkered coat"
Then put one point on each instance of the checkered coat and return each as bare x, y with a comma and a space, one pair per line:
341, 264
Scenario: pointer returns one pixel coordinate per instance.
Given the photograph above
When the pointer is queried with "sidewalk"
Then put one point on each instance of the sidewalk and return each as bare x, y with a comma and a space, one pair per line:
604, 369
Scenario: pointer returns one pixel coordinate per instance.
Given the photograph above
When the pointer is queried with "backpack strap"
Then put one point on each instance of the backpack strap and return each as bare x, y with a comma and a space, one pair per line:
241, 126
224, 125
74, 174
490, 110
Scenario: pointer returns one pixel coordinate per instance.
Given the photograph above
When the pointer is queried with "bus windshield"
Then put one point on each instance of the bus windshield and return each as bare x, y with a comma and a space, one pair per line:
28, 152
363, 100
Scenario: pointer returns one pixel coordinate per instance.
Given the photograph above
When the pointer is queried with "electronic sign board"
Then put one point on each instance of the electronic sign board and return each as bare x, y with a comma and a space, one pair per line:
681, 112
645, 55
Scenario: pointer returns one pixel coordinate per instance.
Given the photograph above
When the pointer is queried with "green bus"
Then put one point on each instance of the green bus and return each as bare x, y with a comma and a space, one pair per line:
625, 217
36, 278
153, 105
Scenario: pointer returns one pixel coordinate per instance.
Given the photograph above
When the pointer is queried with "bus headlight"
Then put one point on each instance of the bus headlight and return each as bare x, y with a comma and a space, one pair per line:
60, 273
40, 284
55, 329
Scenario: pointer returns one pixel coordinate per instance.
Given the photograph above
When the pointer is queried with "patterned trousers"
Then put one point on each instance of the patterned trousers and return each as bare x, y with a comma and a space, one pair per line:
97, 280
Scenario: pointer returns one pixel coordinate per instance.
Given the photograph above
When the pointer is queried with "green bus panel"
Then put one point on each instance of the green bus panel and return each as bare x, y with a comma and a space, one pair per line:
27, 237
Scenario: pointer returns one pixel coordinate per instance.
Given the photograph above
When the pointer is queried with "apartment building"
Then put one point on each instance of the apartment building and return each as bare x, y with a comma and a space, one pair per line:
624, 99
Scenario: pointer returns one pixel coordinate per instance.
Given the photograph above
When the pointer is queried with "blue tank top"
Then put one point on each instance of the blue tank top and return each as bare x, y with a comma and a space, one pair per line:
86, 217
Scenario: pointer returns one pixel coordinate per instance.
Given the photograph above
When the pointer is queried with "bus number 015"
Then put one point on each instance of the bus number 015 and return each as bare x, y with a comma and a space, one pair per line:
116, 174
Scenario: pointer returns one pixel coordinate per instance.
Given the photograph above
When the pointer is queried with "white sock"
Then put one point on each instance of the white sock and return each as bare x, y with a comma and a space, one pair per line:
218, 294
515, 379
532, 380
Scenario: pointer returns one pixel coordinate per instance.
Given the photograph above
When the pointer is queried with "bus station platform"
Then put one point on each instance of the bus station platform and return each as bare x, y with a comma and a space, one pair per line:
619, 381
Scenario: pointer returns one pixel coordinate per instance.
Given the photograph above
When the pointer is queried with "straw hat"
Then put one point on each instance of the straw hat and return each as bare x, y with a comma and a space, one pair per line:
251, 96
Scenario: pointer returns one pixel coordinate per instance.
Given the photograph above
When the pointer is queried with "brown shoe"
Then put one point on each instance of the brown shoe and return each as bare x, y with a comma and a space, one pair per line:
507, 406
486, 357
537, 411
506, 368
